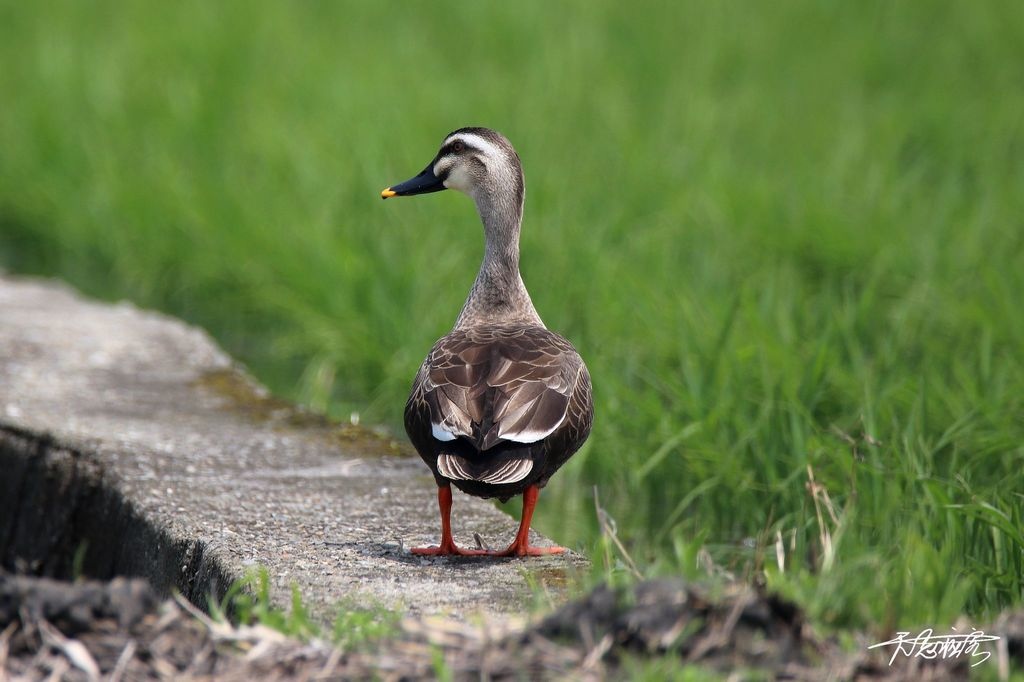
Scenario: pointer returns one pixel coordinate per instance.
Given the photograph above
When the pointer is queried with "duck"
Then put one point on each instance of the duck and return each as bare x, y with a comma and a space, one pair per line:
501, 402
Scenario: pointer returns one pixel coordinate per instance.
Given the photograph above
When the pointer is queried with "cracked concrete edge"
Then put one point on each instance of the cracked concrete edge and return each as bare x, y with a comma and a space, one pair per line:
60, 515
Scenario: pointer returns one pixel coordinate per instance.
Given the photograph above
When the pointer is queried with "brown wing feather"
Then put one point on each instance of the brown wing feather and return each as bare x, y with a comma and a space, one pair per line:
500, 385
574, 431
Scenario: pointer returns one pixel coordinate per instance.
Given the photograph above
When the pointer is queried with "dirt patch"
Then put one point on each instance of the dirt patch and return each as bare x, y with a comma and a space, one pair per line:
121, 630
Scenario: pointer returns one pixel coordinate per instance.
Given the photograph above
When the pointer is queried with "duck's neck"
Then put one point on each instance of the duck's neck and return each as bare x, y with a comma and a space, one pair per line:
498, 295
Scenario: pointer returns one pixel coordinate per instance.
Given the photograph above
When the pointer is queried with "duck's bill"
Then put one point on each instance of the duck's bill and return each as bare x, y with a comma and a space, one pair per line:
424, 183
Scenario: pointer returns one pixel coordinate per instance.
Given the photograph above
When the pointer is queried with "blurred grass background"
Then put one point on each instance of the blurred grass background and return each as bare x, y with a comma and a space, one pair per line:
788, 238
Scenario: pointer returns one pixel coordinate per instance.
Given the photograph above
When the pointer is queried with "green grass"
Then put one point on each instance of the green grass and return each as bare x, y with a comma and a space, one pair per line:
787, 238
248, 601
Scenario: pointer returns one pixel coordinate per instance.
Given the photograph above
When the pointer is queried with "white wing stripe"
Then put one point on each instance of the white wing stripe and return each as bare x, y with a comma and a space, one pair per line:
449, 466
530, 436
440, 433
513, 471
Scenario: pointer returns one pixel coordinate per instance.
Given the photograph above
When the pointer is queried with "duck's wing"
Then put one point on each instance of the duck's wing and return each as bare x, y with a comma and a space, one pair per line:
494, 385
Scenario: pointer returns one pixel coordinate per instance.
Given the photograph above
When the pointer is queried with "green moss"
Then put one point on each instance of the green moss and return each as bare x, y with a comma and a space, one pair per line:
245, 397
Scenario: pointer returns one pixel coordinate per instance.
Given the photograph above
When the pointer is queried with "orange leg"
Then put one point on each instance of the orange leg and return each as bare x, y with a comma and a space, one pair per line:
444, 501
521, 545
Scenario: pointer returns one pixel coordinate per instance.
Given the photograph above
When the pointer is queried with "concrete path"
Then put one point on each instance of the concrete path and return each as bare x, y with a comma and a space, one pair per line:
131, 444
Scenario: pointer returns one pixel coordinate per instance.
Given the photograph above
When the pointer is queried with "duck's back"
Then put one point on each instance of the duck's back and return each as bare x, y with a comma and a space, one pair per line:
494, 408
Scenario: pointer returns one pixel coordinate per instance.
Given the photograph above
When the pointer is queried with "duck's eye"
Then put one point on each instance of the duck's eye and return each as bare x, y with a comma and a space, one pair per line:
458, 147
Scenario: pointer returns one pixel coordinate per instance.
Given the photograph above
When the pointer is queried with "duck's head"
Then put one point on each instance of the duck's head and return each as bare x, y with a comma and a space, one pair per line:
476, 161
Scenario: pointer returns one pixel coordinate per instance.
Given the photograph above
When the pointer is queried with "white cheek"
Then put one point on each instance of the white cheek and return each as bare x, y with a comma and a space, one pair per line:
458, 179
442, 166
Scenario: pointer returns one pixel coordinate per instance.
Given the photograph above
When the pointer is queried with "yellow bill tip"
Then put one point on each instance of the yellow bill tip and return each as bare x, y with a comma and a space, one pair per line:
386, 193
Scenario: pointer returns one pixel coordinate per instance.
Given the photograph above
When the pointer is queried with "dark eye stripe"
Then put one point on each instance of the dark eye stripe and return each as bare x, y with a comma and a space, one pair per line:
450, 148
